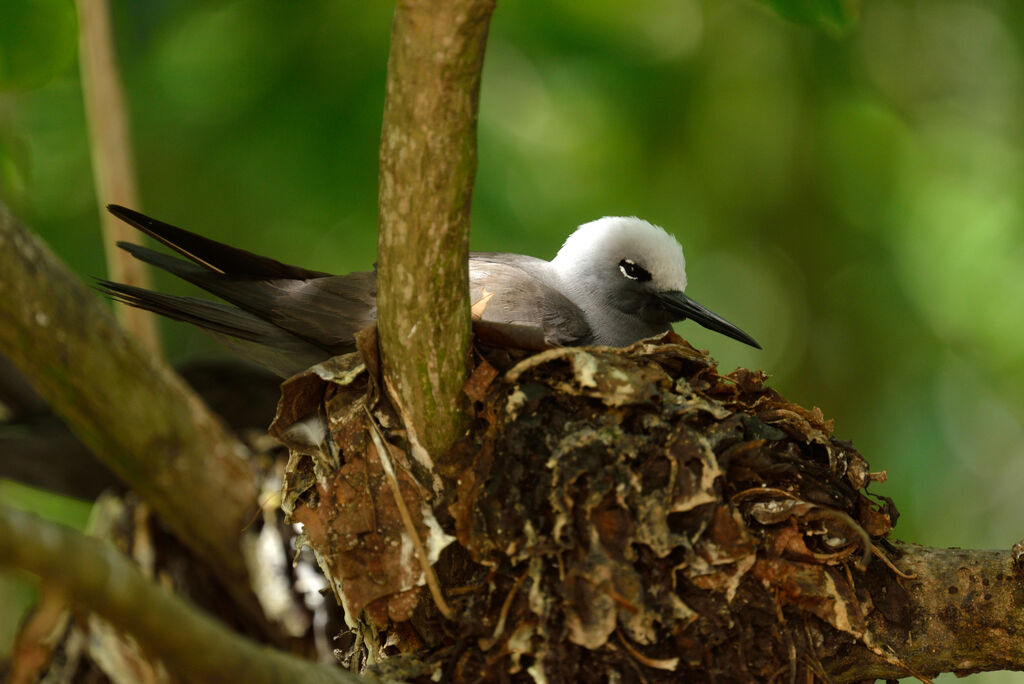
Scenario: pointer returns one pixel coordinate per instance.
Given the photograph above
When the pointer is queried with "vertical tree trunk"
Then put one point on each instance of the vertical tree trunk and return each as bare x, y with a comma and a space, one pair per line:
427, 165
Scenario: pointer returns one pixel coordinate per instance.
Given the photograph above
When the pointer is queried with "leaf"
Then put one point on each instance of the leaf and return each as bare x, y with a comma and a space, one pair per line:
832, 15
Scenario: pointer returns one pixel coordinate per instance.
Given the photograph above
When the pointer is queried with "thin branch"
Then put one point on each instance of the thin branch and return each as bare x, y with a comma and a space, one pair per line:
427, 165
113, 164
410, 527
192, 645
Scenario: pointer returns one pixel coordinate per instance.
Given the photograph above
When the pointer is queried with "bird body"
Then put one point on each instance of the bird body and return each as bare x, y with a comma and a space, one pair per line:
614, 281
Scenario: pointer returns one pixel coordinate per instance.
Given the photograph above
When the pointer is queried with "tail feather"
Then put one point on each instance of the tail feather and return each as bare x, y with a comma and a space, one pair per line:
271, 346
179, 267
210, 254
284, 317
213, 316
242, 292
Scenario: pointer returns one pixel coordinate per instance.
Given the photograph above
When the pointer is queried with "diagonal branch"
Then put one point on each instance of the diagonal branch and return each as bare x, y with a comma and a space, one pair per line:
133, 412
193, 646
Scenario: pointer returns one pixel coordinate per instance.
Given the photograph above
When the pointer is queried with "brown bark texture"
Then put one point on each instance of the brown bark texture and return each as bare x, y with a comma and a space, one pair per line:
427, 166
629, 515
132, 411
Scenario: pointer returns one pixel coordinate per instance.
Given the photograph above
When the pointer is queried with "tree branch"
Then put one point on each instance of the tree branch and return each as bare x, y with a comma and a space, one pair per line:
193, 646
113, 164
133, 412
962, 615
427, 165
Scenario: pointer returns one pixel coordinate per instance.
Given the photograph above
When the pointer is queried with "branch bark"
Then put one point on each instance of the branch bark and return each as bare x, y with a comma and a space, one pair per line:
193, 646
132, 411
427, 165
962, 615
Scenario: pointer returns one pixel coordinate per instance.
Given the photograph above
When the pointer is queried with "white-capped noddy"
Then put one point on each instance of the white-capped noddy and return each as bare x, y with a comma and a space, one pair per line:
615, 280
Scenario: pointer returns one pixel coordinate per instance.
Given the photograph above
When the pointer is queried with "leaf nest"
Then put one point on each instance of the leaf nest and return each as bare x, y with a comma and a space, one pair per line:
626, 513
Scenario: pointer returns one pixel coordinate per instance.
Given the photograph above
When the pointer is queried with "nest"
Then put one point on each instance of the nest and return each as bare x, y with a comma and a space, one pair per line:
630, 514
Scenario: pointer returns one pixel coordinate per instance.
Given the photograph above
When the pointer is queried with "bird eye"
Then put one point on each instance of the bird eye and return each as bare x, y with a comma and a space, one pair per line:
633, 270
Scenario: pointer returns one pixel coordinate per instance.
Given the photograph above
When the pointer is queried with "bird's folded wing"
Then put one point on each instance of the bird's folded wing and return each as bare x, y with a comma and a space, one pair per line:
521, 295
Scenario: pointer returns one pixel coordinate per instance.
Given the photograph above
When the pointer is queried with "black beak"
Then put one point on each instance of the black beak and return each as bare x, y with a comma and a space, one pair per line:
682, 307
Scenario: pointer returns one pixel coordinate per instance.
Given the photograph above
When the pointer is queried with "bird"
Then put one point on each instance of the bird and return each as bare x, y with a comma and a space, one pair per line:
614, 281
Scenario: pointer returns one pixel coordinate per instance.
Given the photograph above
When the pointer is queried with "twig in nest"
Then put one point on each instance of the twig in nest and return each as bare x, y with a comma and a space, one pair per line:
834, 558
813, 662
421, 551
669, 664
889, 564
819, 512
488, 644
845, 518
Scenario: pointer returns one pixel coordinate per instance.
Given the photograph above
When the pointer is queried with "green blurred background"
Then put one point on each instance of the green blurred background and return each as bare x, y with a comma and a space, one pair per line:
854, 200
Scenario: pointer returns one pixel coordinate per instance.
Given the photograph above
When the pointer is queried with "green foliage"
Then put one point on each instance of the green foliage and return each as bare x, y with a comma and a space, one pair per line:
832, 15
37, 41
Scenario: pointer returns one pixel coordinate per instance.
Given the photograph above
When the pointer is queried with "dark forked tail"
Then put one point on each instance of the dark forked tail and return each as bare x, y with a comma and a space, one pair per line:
210, 254
242, 278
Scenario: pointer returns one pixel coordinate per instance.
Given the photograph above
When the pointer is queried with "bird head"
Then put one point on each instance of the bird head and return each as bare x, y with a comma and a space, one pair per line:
636, 270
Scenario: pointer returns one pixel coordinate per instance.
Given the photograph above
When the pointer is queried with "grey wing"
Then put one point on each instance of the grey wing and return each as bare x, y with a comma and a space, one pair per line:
328, 310
521, 292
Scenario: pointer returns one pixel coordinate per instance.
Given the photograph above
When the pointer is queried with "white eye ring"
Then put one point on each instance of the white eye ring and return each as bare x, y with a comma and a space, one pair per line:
630, 269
